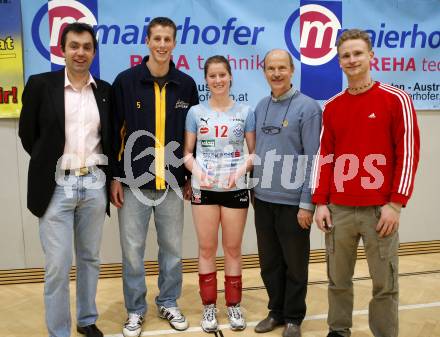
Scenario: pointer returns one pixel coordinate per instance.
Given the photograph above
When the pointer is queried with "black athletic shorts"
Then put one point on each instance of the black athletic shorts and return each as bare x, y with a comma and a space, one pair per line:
230, 199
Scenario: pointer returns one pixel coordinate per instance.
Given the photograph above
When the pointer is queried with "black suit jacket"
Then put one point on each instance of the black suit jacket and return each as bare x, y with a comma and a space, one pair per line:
42, 132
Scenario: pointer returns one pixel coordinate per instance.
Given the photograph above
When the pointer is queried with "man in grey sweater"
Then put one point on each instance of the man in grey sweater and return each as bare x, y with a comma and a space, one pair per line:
288, 125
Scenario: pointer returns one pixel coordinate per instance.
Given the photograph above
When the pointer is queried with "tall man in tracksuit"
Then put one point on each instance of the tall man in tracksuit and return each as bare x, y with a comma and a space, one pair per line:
288, 125
151, 103
368, 159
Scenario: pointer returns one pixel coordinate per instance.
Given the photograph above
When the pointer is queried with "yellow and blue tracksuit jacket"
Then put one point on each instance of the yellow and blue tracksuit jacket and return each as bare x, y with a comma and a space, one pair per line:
139, 104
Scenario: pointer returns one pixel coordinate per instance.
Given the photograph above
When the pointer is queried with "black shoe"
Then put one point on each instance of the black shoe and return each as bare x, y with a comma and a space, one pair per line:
266, 325
291, 330
89, 330
334, 334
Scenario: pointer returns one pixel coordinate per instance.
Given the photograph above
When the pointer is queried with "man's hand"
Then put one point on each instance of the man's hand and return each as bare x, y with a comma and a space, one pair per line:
116, 193
389, 219
305, 218
187, 190
323, 218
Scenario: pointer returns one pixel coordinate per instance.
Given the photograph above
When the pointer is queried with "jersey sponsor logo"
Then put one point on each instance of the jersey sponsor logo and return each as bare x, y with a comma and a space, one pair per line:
217, 154
238, 131
204, 120
203, 130
319, 23
208, 143
196, 198
60, 13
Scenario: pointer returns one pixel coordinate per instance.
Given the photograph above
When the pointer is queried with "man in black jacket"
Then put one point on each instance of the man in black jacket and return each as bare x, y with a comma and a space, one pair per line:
151, 101
64, 126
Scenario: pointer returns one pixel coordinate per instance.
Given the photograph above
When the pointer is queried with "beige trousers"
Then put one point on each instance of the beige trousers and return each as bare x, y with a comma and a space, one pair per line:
349, 225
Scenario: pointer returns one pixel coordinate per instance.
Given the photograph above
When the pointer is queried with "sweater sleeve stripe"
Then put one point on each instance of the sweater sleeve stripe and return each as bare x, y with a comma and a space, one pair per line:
315, 177
408, 163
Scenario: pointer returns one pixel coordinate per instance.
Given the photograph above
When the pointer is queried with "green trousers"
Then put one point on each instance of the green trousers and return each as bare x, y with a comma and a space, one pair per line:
349, 225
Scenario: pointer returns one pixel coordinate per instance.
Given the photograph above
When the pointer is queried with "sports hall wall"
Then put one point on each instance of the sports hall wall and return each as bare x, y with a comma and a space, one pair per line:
406, 41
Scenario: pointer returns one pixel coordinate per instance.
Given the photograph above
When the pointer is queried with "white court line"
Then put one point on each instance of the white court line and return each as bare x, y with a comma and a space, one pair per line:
308, 318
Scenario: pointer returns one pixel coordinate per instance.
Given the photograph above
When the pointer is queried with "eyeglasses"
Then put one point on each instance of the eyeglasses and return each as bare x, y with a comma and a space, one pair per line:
271, 129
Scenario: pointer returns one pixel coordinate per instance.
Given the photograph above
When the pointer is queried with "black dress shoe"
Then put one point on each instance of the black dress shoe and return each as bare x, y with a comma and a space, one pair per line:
267, 324
334, 334
291, 330
89, 330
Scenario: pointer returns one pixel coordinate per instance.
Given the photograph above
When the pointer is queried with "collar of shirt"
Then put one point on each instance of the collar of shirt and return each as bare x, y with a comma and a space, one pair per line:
67, 83
289, 93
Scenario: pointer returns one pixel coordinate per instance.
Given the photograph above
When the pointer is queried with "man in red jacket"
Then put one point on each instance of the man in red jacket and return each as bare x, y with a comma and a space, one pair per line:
368, 158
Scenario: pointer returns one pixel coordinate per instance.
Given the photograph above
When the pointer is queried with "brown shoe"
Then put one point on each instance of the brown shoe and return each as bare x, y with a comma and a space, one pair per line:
291, 330
267, 324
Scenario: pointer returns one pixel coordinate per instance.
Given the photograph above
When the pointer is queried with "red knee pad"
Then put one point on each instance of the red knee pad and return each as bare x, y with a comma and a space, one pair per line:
233, 290
208, 288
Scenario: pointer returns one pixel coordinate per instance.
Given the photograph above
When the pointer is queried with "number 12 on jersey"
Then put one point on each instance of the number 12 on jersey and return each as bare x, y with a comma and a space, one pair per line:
221, 131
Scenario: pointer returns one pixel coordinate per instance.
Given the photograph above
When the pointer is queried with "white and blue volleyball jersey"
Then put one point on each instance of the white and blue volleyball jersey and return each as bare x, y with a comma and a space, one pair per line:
220, 140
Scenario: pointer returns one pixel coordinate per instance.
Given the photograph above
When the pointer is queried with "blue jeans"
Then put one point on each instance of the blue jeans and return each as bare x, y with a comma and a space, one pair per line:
134, 217
73, 220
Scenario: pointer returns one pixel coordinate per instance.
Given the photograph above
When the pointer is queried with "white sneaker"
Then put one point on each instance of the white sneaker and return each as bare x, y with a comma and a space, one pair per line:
174, 317
209, 319
133, 325
236, 318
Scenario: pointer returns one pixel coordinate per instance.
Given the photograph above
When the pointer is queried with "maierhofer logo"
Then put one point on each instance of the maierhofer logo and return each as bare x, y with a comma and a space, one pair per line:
318, 23
60, 13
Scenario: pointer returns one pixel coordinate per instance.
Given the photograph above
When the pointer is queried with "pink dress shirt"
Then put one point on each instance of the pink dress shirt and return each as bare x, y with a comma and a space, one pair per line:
82, 127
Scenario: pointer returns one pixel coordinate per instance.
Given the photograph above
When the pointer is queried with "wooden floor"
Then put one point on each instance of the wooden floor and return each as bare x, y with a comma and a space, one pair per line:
22, 311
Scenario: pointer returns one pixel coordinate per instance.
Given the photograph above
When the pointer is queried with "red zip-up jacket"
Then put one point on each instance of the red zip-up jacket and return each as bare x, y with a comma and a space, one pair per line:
369, 149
